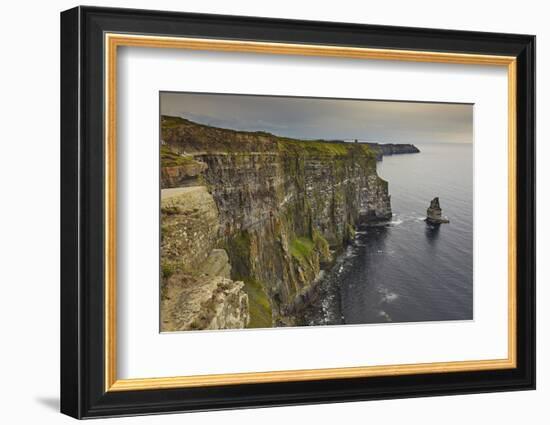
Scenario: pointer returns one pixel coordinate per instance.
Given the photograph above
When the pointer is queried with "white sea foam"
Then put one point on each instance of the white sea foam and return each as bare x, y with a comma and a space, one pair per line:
385, 315
387, 296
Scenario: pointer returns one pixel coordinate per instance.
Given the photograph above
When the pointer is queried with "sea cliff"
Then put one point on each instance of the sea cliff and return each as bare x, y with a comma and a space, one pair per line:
384, 149
249, 219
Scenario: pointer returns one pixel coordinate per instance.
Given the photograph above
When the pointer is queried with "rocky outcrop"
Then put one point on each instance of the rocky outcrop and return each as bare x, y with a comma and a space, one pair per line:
179, 170
385, 149
433, 214
196, 289
203, 302
189, 227
217, 264
284, 209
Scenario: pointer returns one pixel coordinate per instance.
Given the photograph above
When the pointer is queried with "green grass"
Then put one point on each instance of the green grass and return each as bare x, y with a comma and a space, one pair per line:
321, 245
171, 122
302, 249
285, 145
170, 158
258, 304
312, 147
334, 148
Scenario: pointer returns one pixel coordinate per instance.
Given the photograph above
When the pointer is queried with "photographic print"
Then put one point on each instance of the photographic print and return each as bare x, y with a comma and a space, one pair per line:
291, 211
301, 193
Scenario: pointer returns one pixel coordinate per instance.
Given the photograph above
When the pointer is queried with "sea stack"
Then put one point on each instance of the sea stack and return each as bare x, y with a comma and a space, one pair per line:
434, 213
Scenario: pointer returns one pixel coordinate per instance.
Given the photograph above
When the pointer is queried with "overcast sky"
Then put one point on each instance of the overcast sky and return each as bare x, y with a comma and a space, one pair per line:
314, 118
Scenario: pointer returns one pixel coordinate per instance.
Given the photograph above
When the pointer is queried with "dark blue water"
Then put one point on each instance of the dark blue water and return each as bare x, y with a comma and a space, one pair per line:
406, 270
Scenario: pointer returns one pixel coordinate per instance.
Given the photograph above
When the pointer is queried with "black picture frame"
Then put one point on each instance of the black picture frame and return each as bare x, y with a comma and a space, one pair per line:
83, 392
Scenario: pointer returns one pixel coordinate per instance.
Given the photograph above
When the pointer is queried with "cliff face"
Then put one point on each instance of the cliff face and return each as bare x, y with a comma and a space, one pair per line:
283, 209
197, 291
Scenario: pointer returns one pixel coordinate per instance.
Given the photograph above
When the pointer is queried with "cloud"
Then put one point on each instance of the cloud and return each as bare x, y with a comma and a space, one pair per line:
313, 118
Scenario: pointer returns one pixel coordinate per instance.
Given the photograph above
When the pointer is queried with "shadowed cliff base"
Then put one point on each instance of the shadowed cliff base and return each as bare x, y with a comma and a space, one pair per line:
275, 212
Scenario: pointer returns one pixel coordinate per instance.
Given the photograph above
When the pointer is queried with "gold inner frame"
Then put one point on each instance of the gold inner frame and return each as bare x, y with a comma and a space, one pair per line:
113, 41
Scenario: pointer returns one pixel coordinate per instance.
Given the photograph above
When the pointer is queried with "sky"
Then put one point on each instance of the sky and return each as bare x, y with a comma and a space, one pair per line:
330, 119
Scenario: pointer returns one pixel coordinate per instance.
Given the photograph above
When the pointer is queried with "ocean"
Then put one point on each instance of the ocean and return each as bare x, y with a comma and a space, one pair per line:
406, 270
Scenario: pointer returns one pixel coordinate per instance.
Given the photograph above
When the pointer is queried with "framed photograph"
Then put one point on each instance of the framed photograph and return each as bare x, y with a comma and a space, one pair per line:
261, 212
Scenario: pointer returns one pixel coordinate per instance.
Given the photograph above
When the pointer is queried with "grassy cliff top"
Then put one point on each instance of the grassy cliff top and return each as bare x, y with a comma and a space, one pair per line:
170, 158
185, 136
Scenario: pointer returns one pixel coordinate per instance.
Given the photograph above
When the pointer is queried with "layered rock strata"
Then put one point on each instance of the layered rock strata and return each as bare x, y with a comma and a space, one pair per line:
280, 208
197, 291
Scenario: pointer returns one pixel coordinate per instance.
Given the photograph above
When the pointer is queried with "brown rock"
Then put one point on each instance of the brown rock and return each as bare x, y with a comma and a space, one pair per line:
433, 214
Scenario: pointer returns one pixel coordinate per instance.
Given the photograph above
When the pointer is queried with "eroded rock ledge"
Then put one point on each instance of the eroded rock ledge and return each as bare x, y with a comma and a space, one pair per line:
281, 209
197, 291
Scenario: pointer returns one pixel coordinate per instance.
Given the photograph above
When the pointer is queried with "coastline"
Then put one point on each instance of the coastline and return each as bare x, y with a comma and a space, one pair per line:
279, 212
